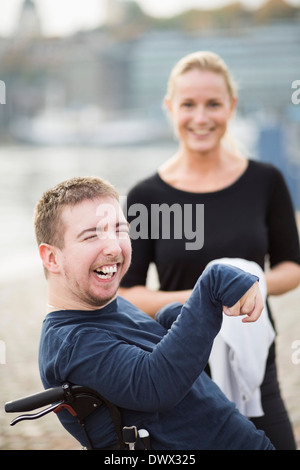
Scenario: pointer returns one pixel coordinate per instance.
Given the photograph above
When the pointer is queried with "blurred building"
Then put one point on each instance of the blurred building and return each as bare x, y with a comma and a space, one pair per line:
128, 72
29, 22
65, 88
122, 68
263, 60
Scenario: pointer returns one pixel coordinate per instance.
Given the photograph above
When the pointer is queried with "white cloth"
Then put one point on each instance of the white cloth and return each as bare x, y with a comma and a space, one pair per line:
240, 350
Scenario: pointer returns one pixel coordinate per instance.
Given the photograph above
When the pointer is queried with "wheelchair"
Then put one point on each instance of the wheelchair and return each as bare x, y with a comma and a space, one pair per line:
80, 401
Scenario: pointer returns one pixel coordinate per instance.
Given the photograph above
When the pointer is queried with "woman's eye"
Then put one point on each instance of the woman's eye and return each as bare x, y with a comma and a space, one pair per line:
187, 104
214, 104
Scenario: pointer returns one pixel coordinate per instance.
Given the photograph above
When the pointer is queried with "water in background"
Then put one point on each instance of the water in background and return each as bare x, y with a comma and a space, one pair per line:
26, 172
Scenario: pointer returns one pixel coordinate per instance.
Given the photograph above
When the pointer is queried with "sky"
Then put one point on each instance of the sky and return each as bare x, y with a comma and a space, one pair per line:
63, 17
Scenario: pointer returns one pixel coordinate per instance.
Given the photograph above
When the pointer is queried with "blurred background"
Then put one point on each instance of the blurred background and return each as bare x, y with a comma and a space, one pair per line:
81, 91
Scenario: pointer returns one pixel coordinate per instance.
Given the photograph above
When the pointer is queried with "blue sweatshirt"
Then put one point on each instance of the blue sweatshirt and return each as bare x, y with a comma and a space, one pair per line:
153, 370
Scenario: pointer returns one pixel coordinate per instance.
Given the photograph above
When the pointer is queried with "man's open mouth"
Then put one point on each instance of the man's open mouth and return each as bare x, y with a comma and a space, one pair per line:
106, 272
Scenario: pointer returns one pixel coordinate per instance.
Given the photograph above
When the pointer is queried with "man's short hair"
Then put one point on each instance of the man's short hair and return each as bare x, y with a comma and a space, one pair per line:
47, 216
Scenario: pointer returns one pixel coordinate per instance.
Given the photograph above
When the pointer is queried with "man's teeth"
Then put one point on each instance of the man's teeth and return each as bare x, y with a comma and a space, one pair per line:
106, 272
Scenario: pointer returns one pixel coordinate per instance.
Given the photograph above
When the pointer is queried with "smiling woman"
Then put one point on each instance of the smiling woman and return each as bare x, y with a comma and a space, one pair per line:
242, 199
201, 106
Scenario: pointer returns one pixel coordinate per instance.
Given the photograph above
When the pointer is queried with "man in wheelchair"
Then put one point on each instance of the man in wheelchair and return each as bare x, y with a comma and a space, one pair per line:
153, 370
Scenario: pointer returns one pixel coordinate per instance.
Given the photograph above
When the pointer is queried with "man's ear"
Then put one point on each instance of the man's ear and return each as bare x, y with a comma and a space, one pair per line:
48, 255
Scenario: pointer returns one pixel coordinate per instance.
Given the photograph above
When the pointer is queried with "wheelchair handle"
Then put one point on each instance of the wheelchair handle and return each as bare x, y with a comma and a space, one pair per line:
37, 400
80, 401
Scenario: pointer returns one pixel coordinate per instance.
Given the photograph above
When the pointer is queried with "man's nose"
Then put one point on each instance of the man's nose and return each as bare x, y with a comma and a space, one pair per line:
110, 245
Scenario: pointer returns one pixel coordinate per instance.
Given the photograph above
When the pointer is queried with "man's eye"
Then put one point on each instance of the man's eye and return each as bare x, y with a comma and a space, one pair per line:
90, 237
123, 232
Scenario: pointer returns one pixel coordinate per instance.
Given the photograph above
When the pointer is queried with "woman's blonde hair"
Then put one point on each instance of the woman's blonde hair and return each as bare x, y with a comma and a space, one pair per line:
201, 60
